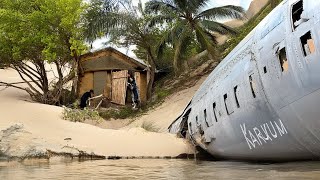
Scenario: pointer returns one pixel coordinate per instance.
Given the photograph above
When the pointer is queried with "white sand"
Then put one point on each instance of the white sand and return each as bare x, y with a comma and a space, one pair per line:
44, 122
167, 112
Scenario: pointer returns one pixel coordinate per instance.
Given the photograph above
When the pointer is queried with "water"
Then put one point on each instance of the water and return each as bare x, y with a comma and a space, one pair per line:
157, 169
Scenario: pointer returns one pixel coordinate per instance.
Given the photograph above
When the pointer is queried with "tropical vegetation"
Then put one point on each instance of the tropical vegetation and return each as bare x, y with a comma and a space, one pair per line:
36, 33
189, 20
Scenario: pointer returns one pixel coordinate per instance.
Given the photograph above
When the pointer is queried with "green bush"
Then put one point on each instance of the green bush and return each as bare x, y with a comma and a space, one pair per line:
162, 93
78, 115
122, 113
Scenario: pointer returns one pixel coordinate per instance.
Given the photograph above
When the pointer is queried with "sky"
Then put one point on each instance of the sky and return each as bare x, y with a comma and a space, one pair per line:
98, 44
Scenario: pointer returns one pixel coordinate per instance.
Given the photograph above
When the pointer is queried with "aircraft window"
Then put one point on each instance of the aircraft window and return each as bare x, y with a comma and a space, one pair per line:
214, 111
265, 70
297, 10
252, 86
307, 44
205, 117
227, 104
225, 97
236, 96
283, 60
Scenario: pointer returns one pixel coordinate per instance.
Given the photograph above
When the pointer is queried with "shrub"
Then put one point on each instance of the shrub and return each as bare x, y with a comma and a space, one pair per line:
78, 115
149, 126
122, 113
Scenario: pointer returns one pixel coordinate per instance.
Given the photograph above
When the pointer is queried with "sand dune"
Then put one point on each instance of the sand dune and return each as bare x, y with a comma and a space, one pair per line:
167, 112
44, 123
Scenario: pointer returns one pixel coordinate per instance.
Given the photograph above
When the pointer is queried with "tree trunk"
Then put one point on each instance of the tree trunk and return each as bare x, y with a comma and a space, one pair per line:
176, 59
151, 61
77, 70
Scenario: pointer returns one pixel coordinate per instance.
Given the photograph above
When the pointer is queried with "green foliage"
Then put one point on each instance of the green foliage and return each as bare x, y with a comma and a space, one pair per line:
34, 33
78, 115
161, 93
121, 113
150, 126
39, 29
187, 22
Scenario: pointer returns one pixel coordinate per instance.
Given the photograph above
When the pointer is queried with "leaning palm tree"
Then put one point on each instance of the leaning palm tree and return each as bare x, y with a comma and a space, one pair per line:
188, 20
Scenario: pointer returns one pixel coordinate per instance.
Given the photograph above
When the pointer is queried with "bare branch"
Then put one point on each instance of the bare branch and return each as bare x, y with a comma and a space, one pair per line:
29, 84
12, 85
21, 70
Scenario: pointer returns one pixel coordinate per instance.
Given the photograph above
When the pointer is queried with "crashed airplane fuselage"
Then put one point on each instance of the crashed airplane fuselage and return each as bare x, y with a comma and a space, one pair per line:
263, 101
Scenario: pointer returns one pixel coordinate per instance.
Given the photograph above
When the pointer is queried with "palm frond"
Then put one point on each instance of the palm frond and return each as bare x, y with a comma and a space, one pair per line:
156, 6
220, 28
100, 21
161, 18
181, 4
229, 11
165, 38
140, 8
206, 39
196, 5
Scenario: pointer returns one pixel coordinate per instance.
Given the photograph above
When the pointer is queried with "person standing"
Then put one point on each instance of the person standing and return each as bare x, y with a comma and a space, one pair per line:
134, 89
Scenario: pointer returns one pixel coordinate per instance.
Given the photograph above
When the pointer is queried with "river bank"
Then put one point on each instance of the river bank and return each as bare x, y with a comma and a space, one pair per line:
29, 129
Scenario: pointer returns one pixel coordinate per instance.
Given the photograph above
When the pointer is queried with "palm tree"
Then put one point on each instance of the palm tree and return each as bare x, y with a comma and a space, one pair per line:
188, 20
123, 24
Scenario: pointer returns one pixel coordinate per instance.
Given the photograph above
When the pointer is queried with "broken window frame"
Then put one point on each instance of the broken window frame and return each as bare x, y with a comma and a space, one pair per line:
284, 67
296, 12
305, 44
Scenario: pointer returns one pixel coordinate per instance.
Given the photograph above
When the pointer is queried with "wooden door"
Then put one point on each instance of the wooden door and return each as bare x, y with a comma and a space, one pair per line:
119, 87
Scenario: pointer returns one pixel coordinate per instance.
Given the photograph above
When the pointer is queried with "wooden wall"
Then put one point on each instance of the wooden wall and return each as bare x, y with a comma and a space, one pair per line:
86, 83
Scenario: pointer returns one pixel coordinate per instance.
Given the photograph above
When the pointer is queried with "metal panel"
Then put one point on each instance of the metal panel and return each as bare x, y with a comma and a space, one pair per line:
100, 79
119, 87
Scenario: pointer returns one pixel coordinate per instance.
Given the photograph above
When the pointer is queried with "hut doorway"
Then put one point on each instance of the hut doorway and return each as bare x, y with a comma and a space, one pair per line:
99, 81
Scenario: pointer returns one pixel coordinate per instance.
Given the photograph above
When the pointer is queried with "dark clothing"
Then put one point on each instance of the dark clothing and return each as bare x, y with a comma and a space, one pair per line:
84, 99
133, 87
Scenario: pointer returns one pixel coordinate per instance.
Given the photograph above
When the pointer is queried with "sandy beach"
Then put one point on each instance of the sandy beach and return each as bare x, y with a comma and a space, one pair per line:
26, 126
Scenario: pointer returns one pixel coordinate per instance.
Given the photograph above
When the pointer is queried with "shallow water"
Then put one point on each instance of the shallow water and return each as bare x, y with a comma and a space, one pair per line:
157, 169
